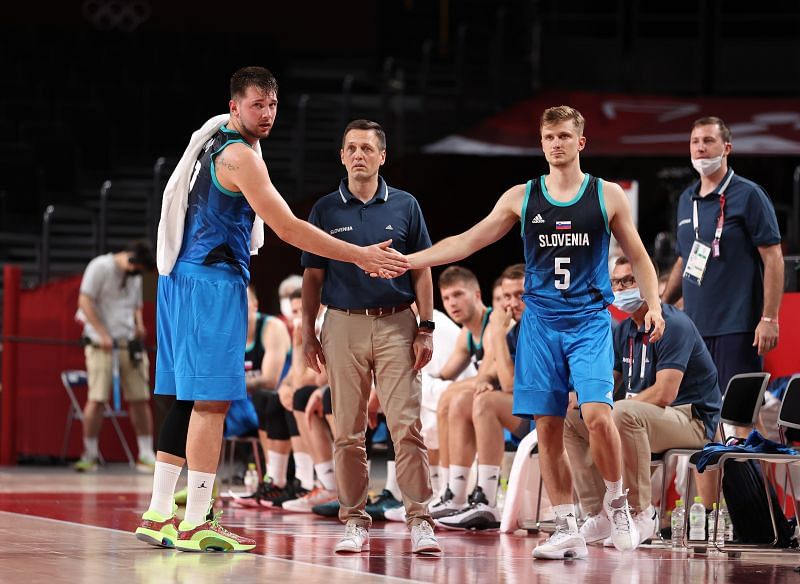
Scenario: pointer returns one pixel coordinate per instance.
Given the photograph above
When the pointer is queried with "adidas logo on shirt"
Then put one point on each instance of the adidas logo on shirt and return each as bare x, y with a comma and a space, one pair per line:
538, 219
389, 227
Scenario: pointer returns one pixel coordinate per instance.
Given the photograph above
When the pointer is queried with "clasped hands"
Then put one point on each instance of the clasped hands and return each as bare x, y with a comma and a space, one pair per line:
382, 261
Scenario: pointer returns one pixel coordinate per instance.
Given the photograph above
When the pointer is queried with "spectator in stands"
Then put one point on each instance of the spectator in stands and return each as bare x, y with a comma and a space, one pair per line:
730, 265
489, 409
673, 401
110, 306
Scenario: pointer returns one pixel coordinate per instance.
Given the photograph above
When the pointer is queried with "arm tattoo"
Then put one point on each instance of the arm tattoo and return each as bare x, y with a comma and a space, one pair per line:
221, 161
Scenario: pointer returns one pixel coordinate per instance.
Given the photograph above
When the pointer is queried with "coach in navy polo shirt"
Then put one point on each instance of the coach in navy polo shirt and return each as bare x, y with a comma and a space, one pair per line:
730, 266
673, 401
370, 335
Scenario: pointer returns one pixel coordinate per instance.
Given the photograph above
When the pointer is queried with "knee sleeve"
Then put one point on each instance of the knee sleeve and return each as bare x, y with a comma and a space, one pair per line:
291, 423
301, 397
327, 405
175, 428
268, 406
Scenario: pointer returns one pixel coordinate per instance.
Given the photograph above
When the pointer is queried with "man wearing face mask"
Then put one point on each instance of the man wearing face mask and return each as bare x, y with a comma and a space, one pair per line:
673, 401
730, 266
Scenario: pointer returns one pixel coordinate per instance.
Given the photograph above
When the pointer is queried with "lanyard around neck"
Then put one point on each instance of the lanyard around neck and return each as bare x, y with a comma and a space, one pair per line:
645, 342
720, 221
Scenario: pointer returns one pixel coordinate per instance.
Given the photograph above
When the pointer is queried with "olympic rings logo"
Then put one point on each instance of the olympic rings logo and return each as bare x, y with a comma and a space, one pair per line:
124, 15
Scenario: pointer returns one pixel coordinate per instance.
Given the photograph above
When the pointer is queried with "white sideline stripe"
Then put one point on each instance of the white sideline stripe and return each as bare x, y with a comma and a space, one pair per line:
267, 557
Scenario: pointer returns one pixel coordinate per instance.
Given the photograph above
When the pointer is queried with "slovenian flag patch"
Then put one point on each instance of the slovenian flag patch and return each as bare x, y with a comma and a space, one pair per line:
563, 225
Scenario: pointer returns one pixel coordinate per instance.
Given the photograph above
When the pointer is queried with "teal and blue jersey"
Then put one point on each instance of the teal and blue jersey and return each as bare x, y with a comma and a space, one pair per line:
566, 253
218, 221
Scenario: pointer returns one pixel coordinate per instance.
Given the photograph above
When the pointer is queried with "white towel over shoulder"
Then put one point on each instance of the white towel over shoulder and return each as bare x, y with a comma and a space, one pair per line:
176, 200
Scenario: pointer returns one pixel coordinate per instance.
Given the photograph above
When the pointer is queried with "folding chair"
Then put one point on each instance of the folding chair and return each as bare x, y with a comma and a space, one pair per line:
73, 381
229, 449
740, 405
788, 417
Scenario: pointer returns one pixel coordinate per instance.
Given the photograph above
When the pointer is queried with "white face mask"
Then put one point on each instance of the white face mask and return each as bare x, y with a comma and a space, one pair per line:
707, 166
628, 300
286, 308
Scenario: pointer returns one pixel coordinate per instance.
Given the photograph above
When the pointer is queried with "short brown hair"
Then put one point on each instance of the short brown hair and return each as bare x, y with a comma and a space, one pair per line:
367, 125
563, 113
515, 272
724, 130
458, 275
257, 77
623, 260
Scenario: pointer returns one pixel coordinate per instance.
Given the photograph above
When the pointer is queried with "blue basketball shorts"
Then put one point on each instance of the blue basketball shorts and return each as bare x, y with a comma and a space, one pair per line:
201, 323
550, 362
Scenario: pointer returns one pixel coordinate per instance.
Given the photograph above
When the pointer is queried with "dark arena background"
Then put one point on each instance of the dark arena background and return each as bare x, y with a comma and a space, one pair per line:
98, 99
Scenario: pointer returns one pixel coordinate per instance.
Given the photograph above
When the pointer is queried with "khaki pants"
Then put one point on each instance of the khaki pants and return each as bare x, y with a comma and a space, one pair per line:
643, 429
134, 379
357, 347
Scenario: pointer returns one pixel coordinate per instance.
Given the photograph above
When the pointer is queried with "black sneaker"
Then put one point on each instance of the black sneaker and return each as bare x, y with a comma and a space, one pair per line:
292, 490
382, 503
444, 506
477, 515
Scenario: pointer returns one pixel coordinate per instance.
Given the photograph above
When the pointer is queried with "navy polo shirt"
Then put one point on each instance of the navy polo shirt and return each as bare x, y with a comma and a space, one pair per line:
390, 214
680, 348
731, 297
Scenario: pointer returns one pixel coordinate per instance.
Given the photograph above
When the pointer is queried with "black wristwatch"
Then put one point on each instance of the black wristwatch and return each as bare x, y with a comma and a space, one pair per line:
427, 324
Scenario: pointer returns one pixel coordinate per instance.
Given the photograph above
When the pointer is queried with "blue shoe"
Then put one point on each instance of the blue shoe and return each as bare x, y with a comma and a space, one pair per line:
330, 509
382, 503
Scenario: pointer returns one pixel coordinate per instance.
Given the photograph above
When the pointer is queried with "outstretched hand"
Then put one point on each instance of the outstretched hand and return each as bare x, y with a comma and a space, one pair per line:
381, 261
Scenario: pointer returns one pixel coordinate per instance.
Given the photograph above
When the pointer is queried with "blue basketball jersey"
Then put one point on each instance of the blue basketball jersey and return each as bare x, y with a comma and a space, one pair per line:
218, 221
566, 252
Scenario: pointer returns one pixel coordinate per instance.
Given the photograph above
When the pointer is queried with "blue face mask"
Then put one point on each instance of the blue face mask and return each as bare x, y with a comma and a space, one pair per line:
628, 300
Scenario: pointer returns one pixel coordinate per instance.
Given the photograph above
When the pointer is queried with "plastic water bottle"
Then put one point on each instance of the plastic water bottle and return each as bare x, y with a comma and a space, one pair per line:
727, 533
697, 520
719, 536
677, 522
251, 478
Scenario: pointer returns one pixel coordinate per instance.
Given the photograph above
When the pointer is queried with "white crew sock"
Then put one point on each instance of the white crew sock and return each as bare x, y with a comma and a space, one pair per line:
488, 477
444, 475
165, 477
325, 475
304, 469
277, 464
145, 444
613, 488
198, 499
436, 478
90, 448
567, 513
391, 480
459, 475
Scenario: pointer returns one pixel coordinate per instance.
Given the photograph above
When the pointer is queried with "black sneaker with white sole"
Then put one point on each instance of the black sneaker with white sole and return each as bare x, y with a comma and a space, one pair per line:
477, 515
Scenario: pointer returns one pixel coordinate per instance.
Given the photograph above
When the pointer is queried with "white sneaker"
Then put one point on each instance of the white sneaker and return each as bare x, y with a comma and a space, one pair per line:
646, 523
596, 528
422, 539
305, 504
395, 514
356, 539
565, 543
624, 533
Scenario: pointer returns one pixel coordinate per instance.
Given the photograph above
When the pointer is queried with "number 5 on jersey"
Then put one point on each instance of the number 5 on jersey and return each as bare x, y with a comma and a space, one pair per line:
562, 272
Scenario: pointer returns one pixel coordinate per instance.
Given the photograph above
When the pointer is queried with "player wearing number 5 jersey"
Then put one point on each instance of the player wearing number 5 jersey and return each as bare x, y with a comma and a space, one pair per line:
567, 218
